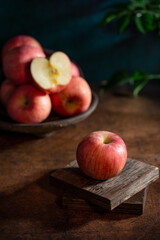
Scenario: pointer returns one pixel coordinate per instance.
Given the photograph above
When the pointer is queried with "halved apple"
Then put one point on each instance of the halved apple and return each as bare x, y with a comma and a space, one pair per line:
51, 75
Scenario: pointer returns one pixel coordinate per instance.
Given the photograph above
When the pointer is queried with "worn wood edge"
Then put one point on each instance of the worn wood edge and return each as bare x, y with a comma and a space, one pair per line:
130, 206
146, 180
78, 192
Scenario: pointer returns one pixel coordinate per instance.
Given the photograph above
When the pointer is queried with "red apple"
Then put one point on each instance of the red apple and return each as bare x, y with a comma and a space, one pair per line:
75, 70
16, 63
51, 75
73, 99
101, 155
6, 89
29, 105
19, 41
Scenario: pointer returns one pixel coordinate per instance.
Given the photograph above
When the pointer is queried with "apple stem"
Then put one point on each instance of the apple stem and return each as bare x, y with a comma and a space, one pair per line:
26, 102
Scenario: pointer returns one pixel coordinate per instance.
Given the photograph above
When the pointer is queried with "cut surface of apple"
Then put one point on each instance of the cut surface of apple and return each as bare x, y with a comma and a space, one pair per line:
53, 72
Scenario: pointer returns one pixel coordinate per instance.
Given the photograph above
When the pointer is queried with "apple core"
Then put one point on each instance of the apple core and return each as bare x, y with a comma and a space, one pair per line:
107, 140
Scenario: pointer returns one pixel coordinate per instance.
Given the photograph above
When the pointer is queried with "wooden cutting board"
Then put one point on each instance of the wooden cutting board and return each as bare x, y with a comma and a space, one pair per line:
110, 193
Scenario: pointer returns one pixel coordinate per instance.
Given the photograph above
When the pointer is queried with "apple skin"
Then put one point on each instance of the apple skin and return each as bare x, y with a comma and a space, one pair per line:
6, 89
29, 105
16, 63
75, 70
101, 155
18, 41
57, 88
74, 99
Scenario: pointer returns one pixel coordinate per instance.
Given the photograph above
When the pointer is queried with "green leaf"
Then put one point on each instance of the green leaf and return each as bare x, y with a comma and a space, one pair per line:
139, 24
149, 22
138, 75
139, 2
157, 15
139, 85
124, 22
145, 13
140, 80
108, 18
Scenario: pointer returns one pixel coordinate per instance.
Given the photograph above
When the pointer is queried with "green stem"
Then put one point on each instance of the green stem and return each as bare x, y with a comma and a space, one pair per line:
153, 76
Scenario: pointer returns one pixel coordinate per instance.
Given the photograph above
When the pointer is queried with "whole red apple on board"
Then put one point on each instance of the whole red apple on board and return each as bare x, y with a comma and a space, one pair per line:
75, 70
16, 63
53, 74
29, 105
6, 89
18, 41
74, 99
101, 155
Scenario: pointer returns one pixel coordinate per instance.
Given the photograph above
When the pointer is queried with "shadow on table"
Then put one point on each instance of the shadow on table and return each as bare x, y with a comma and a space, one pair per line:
41, 203
11, 139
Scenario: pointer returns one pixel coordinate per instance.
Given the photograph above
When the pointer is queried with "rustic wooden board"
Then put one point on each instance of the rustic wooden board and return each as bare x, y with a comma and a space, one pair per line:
110, 193
134, 205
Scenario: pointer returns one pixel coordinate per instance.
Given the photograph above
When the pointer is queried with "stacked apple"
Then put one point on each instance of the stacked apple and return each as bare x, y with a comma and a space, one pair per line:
35, 85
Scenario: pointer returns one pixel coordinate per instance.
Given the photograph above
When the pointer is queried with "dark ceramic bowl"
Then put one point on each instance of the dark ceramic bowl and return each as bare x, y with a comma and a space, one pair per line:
53, 123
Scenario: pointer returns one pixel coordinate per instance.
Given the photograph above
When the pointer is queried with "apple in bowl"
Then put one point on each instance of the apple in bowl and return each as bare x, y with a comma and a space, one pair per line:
101, 155
18, 41
75, 70
74, 99
28, 105
27, 68
53, 74
16, 63
6, 89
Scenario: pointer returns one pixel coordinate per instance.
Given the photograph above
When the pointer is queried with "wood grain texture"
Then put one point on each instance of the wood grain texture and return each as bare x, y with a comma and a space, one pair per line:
134, 205
108, 194
29, 205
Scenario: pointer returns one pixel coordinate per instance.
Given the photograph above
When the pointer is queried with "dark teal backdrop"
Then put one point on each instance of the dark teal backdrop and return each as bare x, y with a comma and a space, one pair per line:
73, 27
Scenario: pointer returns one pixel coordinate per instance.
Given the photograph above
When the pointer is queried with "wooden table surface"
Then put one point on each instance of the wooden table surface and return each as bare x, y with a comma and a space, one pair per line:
30, 207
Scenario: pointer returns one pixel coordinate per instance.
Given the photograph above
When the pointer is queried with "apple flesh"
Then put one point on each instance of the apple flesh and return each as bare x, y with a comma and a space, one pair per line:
75, 70
51, 75
74, 99
6, 89
101, 155
29, 105
16, 63
18, 41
